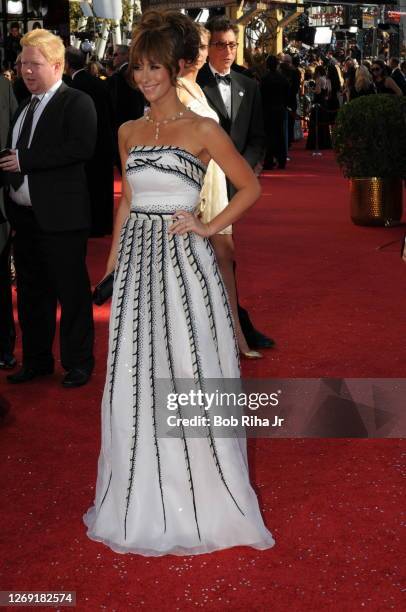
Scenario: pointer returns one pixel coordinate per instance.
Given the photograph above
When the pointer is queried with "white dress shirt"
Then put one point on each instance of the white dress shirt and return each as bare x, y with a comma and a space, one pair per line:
224, 88
22, 194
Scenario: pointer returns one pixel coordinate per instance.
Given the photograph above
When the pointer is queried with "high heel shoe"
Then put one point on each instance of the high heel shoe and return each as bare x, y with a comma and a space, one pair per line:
251, 355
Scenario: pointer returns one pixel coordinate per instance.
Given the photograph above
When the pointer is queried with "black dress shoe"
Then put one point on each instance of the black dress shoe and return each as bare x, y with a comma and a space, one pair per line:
75, 378
256, 340
7, 361
26, 374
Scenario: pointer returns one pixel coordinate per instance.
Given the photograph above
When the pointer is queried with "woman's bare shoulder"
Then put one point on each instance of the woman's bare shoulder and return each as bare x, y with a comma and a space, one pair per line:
128, 131
200, 129
130, 126
204, 125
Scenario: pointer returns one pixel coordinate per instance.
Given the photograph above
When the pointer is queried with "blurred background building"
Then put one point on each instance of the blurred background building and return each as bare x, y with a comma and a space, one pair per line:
29, 14
376, 27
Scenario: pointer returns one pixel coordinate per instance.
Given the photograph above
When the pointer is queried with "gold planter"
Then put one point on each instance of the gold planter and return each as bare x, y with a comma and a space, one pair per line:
376, 201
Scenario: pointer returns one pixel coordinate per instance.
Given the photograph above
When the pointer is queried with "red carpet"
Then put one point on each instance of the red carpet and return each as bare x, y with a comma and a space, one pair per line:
335, 305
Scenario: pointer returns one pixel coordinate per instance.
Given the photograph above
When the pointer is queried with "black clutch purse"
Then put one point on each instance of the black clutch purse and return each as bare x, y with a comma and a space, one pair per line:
104, 290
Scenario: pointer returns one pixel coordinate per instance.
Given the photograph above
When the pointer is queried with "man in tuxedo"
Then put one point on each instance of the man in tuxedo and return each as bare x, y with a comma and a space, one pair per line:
8, 106
127, 101
234, 96
236, 99
292, 74
12, 45
397, 75
99, 169
52, 136
275, 97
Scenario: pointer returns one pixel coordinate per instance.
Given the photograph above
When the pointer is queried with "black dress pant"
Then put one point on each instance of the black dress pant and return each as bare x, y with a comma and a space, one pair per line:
276, 143
291, 125
100, 179
7, 328
51, 268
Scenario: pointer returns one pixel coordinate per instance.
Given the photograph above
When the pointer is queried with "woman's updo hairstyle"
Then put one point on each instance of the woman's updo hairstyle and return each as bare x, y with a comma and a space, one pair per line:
165, 37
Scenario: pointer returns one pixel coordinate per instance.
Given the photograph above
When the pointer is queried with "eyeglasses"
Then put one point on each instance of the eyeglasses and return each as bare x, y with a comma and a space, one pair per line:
222, 46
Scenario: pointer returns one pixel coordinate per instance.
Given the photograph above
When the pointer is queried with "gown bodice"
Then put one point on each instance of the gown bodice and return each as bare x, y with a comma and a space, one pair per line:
164, 179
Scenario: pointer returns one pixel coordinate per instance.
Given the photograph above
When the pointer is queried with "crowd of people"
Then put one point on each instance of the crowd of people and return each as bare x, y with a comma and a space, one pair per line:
286, 96
302, 92
116, 100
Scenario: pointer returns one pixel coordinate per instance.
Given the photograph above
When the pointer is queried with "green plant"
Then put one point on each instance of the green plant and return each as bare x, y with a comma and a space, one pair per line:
369, 137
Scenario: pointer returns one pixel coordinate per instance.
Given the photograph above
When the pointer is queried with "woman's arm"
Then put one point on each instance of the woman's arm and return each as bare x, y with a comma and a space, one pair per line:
125, 202
220, 148
390, 84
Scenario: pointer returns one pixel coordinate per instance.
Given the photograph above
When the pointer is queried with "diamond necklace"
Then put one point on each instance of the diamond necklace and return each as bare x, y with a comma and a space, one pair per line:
158, 124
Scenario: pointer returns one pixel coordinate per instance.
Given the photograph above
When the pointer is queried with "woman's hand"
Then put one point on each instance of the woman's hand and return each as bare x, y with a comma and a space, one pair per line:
184, 222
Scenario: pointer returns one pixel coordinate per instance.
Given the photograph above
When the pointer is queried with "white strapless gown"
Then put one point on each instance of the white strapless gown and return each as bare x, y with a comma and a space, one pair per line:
170, 319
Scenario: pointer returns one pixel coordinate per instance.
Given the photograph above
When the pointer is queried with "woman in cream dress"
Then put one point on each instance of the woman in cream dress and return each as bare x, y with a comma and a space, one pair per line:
214, 192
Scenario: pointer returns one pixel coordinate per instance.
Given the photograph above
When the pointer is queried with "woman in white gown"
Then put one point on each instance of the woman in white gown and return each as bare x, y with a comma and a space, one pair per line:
170, 319
214, 196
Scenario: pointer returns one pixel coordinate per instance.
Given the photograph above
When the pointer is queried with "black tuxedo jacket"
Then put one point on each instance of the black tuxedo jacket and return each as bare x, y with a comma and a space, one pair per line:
64, 138
97, 90
274, 93
400, 80
246, 126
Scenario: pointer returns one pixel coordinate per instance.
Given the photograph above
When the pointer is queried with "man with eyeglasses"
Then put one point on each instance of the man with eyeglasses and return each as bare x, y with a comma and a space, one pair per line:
234, 96
237, 101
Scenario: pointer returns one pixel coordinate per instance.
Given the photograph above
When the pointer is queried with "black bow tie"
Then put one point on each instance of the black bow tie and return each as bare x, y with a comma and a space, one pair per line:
223, 78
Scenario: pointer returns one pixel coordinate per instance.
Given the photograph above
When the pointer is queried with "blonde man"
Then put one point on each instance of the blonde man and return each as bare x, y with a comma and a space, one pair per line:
52, 136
